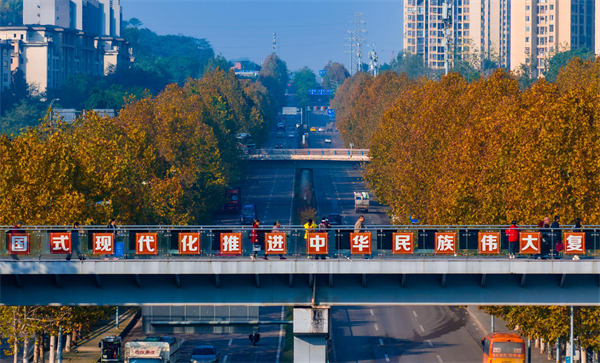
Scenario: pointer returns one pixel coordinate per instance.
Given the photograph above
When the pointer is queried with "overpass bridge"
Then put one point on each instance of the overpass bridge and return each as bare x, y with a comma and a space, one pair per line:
212, 265
307, 158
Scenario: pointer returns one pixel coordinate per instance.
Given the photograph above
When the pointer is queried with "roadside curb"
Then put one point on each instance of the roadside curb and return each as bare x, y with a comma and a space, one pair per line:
479, 324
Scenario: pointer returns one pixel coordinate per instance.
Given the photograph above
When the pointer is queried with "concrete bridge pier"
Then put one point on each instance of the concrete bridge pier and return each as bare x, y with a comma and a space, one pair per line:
311, 331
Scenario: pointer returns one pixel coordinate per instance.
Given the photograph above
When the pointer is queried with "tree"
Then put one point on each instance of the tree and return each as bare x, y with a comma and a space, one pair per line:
274, 77
413, 65
304, 80
11, 12
559, 60
335, 76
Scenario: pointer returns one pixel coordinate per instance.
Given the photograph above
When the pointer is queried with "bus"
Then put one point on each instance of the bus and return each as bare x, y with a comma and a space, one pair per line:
503, 348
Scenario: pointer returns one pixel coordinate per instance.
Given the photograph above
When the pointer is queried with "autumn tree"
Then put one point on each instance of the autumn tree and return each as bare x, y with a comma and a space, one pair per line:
335, 75
274, 77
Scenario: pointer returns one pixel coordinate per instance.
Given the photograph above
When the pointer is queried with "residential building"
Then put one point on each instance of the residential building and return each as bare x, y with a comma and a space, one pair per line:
63, 37
542, 27
5, 64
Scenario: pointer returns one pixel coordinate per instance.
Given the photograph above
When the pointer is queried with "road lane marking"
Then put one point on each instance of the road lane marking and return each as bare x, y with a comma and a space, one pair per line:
430, 343
381, 341
423, 330
372, 312
225, 359
376, 327
415, 314
230, 341
280, 335
439, 359
387, 359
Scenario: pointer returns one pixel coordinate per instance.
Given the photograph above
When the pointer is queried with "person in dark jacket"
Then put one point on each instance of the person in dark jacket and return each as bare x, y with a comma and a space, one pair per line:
513, 239
76, 243
556, 232
112, 226
546, 244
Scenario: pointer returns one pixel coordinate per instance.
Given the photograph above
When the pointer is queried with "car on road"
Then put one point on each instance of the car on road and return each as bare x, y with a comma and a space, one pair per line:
328, 140
334, 219
248, 214
321, 129
291, 136
312, 129
279, 146
297, 124
204, 353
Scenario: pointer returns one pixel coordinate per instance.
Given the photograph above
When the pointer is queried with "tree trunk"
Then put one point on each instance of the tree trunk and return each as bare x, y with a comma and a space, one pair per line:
542, 346
550, 351
36, 347
583, 355
26, 350
52, 349
68, 342
536, 343
42, 357
16, 350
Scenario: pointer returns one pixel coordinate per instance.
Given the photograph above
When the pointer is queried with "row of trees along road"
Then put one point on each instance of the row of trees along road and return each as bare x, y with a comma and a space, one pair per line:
23, 325
164, 160
484, 152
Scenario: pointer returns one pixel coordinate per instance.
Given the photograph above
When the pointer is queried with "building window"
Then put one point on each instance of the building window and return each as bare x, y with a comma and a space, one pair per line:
551, 27
526, 39
527, 29
551, 39
551, 6
526, 18
527, 8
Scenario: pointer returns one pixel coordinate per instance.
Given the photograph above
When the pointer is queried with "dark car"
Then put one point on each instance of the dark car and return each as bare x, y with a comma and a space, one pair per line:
279, 146
335, 219
248, 214
204, 353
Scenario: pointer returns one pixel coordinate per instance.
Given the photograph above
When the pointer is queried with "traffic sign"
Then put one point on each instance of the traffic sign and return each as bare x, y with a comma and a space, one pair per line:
322, 92
312, 92
322, 73
331, 112
329, 91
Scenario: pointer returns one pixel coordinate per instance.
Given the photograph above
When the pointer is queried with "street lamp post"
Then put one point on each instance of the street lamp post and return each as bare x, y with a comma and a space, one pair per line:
52, 112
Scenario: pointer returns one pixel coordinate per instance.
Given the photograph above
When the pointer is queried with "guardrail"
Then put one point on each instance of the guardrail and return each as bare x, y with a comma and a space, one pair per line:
231, 242
340, 152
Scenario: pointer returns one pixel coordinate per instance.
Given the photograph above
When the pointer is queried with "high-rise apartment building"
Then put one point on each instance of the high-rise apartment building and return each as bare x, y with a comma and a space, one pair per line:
63, 37
514, 32
542, 27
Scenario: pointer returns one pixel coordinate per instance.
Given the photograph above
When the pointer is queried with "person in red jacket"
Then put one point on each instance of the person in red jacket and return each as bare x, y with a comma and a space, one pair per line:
513, 239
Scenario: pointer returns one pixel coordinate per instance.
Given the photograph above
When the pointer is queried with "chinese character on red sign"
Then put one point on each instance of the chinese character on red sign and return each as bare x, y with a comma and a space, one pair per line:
276, 243
317, 243
529, 242
18, 243
189, 243
403, 243
60, 243
445, 242
104, 243
231, 243
360, 243
574, 243
146, 243
489, 242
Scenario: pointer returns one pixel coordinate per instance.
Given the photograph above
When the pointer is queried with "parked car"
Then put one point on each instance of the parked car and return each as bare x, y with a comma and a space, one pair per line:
328, 140
204, 353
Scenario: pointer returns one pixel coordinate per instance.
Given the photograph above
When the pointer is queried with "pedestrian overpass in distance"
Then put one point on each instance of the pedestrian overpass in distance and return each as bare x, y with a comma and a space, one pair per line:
307, 158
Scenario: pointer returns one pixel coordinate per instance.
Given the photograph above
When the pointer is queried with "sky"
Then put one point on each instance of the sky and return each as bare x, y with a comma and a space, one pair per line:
309, 32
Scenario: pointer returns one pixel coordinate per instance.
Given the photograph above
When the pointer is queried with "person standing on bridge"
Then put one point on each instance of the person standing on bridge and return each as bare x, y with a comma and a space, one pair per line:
276, 229
513, 239
112, 226
255, 240
309, 227
359, 227
556, 231
75, 243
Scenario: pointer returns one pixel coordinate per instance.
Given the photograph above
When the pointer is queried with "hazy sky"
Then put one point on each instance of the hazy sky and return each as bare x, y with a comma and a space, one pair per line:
309, 32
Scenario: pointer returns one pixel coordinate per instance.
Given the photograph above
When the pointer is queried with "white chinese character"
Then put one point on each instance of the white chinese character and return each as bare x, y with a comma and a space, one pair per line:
188, 243
361, 242
275, 243
317, 242
231, 244
146, 239
574, 243
59, 242
19, 243
403, 243
445, 243
489, 243
103, 243
529, 239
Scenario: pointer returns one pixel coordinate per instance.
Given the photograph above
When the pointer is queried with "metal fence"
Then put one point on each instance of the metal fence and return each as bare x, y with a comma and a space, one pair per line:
341, 152
126, 241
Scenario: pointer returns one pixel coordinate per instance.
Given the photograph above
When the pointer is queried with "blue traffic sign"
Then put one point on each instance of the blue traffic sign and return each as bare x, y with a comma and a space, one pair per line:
329, 91
322, 73
331, 112
312, 92
322, 92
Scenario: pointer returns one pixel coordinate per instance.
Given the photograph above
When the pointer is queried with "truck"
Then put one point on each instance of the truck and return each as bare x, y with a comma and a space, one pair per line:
152, 350
234, 200
329, 126
110, 349
361, 202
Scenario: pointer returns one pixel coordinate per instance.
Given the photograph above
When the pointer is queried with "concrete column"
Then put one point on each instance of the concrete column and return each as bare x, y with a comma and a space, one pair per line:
311, 330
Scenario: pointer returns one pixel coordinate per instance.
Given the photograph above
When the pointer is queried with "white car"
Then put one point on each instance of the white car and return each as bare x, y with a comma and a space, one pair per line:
321, 129
291, 136
328, 140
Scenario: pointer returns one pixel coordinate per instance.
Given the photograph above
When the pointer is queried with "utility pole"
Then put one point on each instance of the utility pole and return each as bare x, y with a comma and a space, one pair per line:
571, 338
350, 44
358, 39
373, 58
447, 19
274, 42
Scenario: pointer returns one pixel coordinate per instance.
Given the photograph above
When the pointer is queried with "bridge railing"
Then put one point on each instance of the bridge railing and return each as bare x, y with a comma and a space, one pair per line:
293, 242
339, 152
